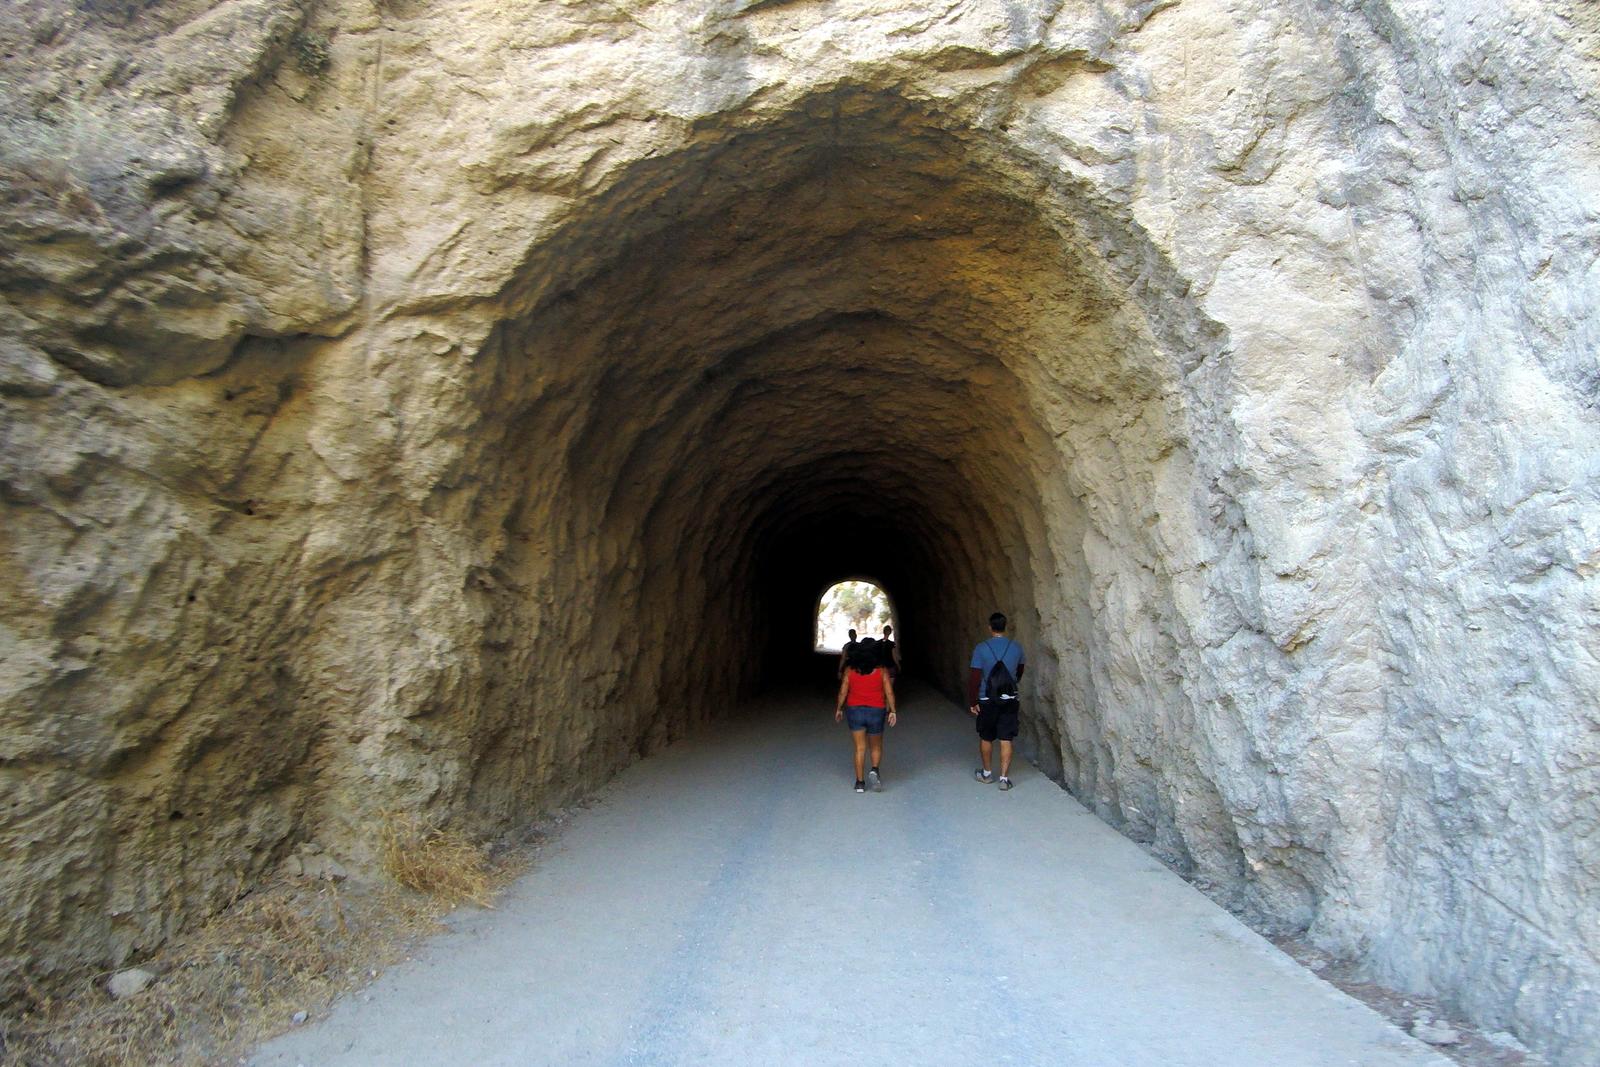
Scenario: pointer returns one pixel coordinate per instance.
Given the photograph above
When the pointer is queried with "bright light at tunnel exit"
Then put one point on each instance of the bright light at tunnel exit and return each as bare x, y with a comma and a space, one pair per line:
855, 604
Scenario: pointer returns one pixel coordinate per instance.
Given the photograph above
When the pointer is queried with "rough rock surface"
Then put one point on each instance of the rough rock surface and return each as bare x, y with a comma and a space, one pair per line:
401, 400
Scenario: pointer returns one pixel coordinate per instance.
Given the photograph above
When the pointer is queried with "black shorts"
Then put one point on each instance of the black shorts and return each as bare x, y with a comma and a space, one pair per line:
997, 720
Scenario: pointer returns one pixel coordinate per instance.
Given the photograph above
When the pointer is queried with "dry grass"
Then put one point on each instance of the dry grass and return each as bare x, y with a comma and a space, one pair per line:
289, 946
443, 864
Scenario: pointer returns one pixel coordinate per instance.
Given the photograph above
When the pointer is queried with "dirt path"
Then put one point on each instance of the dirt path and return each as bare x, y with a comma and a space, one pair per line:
734, 901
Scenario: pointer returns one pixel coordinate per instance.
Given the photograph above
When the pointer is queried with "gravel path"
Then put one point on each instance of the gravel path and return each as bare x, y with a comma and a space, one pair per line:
734, 901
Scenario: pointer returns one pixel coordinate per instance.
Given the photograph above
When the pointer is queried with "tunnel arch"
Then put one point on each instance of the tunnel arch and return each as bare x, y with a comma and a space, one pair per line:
666, 424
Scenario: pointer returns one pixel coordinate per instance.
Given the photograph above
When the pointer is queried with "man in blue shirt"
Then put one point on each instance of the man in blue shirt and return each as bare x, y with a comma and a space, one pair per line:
997, 716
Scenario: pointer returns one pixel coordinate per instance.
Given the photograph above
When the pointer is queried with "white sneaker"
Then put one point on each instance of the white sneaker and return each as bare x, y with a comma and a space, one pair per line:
874, 782
1005, 783
982, 775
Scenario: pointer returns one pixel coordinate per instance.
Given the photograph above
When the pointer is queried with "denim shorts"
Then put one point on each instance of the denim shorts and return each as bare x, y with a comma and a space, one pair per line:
862, 717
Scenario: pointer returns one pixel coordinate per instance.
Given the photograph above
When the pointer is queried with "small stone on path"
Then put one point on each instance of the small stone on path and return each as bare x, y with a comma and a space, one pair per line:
1433, 1033
126, 983
298, 1017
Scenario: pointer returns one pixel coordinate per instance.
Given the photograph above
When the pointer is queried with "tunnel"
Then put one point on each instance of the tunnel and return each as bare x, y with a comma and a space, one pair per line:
432, 409
858, 339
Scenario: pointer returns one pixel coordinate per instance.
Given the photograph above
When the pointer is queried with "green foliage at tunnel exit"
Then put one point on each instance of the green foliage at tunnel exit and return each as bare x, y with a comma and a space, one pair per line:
856, 605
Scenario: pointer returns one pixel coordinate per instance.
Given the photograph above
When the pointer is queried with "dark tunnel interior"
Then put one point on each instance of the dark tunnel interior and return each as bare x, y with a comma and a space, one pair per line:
855, 341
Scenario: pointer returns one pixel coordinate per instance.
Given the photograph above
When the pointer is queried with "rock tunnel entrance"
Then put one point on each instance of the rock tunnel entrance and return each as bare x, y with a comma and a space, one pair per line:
408, 428
858, 337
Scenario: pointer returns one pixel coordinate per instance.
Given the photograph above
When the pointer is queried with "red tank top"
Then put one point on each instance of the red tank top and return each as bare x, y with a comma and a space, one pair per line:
866, 690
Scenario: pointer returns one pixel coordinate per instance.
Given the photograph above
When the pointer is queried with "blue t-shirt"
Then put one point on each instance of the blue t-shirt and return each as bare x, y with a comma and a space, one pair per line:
988, 652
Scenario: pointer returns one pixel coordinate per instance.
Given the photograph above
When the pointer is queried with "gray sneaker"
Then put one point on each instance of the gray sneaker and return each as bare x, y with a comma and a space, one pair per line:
1005, 783
982, 775
874, 782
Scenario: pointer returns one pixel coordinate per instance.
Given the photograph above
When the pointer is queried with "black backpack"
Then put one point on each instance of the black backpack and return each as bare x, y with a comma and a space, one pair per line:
1000, 685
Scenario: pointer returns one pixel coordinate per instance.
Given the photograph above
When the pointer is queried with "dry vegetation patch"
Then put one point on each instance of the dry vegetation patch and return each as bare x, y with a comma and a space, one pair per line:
445, 865
290, 946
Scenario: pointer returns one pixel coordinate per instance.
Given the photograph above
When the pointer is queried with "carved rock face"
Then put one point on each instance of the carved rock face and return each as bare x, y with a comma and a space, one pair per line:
436, 409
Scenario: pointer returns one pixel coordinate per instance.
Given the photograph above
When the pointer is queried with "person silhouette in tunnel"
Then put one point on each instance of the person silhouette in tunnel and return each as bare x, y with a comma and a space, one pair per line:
889, 653
997, 666
844, 653
866, 696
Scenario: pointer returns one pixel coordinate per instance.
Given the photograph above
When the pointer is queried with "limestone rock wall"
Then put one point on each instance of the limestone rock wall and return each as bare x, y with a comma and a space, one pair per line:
404, 403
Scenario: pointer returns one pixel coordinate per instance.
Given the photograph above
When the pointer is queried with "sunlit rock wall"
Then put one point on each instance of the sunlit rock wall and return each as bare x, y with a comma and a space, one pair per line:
402, 403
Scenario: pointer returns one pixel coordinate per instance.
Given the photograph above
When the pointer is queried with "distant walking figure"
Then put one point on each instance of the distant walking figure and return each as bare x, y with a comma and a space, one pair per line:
866, 699
844, 653
997, 665
889, 653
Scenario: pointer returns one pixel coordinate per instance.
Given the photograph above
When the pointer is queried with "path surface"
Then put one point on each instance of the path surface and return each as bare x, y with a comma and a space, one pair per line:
734, 901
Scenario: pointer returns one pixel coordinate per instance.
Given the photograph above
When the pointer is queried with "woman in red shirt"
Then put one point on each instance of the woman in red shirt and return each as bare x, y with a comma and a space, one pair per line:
866, 694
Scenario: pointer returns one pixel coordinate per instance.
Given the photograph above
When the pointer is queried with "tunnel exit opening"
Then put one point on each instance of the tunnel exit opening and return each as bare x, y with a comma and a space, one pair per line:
858, 605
